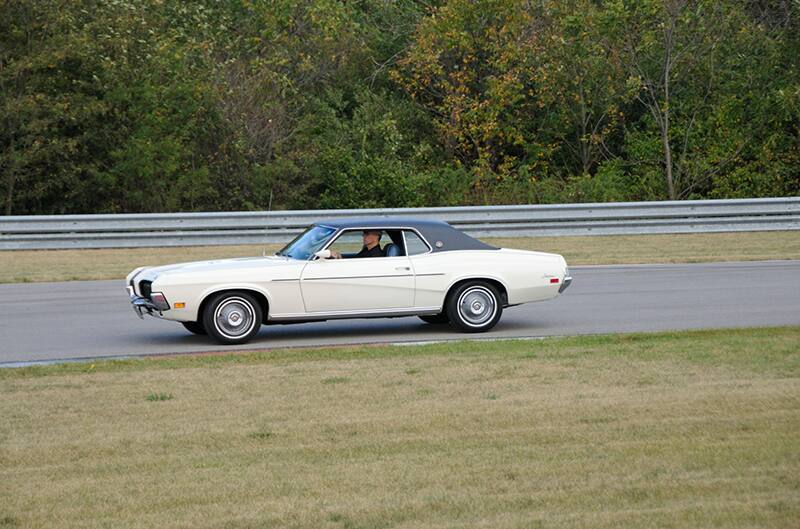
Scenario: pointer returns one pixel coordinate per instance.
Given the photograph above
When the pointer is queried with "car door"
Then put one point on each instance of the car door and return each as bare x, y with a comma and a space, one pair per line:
357, 284
430, 271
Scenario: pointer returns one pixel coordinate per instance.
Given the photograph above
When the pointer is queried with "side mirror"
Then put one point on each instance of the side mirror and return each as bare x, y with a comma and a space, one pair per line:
323, 254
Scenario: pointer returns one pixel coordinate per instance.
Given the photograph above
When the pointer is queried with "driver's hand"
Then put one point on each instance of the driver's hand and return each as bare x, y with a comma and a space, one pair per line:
335, 254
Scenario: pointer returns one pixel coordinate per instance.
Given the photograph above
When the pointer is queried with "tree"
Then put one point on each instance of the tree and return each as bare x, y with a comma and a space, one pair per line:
578, 78
473, 66
146, 105
667, 49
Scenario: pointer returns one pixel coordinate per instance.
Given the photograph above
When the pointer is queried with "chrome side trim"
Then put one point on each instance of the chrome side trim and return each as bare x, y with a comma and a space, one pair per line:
355, 277
377, 313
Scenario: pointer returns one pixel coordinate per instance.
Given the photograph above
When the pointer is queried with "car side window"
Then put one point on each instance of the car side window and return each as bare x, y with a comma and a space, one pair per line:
348, 243
415, 245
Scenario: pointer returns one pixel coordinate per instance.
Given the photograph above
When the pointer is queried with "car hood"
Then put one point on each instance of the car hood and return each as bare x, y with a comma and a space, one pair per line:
214, 266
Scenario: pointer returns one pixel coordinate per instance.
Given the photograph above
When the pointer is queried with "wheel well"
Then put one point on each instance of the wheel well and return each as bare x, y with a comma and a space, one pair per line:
495, 283
261, 298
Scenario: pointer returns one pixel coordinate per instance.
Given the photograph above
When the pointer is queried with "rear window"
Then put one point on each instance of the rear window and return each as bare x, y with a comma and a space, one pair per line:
414, 244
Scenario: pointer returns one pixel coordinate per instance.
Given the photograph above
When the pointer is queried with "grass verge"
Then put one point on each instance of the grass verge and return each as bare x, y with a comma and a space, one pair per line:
67, 265
685, 429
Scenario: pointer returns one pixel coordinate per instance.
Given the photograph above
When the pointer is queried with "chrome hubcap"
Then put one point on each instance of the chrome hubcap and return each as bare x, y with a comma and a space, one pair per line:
234, 317
476, 306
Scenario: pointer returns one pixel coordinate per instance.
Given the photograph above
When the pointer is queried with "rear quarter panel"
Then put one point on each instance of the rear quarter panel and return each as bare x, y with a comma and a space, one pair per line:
525, 275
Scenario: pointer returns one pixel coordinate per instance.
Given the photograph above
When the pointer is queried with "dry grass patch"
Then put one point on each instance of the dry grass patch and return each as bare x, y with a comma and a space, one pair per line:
694, 429
676, 248
23, 266
68, 265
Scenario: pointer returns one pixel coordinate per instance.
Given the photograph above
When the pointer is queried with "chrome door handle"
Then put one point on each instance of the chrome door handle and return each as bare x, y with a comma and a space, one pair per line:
402, 268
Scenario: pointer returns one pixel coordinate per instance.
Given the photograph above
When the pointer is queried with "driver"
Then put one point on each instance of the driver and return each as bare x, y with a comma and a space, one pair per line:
371, 248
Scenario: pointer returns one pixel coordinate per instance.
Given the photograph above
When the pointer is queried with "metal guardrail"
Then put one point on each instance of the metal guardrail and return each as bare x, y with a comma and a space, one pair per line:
191, 229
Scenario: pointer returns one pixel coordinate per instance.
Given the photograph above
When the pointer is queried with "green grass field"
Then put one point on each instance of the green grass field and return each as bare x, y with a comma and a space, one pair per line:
68, 265
666, 430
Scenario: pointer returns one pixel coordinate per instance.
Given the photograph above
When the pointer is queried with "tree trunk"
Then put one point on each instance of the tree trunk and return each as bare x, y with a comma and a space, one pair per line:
668, 165
583, 144
10, 194
12, 180
668, 44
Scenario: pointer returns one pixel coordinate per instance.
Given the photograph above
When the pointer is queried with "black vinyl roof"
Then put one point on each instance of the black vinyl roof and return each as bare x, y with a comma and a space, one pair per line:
440, 235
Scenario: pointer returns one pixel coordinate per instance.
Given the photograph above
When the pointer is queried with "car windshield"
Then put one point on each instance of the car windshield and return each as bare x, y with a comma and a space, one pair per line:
307, 243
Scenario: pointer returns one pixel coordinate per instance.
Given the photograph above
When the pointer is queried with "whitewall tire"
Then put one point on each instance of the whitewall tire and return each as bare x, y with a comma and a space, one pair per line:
232, 317
474, 306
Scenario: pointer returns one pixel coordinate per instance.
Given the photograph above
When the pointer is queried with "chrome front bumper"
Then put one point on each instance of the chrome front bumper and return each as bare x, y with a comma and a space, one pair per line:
142, 306
564, 284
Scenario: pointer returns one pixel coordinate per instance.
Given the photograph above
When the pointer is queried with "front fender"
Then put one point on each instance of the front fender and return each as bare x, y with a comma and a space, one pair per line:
194, 296
232, 286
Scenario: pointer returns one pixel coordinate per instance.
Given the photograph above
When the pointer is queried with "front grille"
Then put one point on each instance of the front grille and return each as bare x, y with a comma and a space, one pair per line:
144, 288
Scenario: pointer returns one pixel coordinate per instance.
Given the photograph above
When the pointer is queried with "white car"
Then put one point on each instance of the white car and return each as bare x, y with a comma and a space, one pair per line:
420, 268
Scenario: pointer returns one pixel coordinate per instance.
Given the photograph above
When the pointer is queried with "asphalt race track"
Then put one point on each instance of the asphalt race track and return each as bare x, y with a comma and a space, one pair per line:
86, 319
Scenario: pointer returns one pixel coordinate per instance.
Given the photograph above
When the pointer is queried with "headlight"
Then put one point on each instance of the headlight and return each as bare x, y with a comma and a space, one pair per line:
159, 300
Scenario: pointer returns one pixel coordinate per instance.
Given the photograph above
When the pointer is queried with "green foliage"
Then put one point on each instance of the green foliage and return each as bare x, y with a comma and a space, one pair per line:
146, 105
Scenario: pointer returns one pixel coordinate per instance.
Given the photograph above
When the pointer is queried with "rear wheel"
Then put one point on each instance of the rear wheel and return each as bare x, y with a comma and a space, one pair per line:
474, 306
232, 317
435, 318
194, 327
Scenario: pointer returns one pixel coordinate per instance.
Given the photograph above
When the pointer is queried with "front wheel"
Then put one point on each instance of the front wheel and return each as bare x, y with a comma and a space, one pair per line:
474, 306
232, 317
